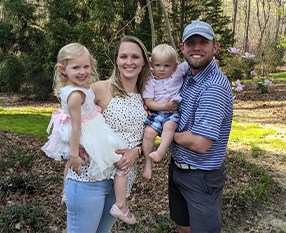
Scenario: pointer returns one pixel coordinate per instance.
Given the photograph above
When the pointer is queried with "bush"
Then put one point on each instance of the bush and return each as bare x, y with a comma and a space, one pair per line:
12, 74
271, 57
22, 184
24, 160
26, 217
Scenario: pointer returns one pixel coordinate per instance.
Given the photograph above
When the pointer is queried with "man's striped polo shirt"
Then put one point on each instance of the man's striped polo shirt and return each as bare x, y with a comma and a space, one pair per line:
206, 110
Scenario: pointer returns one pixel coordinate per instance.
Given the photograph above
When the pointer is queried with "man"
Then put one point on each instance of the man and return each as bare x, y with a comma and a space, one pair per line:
197, 173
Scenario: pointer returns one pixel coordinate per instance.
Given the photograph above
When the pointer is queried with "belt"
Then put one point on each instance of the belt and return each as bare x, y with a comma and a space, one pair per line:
185, 166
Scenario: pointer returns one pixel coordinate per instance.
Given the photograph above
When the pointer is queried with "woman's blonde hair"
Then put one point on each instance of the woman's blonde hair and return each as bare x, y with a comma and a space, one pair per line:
117, 86
166, 51
68, 52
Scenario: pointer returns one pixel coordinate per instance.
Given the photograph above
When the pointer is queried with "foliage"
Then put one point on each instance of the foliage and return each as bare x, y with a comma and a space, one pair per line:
236, 66
262, 88
36, 32
23, 184
253, 189
24, 217
256, 151
21, 158
11, 73
271, 56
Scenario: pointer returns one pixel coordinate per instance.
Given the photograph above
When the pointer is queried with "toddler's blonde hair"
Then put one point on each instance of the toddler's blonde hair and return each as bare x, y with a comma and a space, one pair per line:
166, 51
68, 52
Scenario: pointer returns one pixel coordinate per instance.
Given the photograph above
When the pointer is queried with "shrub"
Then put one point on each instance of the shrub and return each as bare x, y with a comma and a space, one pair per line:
24, 160
271, 57
23, 184
12, 74
26, 217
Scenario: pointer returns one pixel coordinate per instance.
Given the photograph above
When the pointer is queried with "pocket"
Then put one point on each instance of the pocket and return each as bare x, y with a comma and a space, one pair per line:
214, 180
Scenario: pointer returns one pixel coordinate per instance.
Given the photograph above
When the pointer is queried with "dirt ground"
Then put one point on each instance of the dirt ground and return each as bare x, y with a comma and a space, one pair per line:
148, 198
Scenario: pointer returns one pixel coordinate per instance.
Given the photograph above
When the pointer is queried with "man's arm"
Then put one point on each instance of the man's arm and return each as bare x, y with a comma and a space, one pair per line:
192, 141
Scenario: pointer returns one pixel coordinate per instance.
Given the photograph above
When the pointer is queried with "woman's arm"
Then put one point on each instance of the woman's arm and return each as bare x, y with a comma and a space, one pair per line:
129, 156
166, 106
75, 100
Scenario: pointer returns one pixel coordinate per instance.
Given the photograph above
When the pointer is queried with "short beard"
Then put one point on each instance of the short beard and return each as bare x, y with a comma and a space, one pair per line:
199, 65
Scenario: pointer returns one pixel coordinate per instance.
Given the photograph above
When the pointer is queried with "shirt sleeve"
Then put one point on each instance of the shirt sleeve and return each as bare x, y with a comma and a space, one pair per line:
213, 107
149, 89
182, 69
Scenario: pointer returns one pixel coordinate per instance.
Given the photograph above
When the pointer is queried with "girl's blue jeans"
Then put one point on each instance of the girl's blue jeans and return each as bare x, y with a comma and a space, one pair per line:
88, 205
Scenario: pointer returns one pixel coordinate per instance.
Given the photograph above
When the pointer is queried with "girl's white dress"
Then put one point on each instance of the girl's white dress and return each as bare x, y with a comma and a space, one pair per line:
98, 139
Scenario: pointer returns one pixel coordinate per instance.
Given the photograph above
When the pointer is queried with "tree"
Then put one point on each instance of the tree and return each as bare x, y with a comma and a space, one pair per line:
151, 23
234, 15
246, 45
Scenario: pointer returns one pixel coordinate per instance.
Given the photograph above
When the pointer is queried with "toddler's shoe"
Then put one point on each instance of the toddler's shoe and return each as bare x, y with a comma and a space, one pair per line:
115, 211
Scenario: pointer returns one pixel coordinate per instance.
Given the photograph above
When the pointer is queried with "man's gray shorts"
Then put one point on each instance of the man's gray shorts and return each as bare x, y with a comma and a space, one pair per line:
195, 198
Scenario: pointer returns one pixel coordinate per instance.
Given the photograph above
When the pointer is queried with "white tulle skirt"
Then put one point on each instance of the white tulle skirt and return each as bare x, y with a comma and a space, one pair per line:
99, 141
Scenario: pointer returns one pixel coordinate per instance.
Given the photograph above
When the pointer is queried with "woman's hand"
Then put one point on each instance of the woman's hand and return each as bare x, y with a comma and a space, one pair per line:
129, 156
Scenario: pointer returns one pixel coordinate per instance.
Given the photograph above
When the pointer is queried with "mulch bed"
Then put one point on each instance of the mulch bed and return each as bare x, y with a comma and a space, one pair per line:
148, 197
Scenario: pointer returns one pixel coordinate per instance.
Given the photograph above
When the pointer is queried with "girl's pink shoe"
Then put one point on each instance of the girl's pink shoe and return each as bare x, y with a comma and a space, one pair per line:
115, 211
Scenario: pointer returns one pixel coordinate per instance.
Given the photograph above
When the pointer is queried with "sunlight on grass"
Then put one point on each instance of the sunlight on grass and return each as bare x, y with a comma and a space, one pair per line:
250, 134
28, 121
34, 121
275, 77
279, 77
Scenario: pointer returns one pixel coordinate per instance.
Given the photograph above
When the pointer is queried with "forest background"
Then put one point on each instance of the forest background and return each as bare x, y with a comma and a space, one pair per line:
32, 32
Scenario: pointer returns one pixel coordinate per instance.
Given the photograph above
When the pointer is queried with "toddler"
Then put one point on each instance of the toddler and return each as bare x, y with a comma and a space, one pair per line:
161, 96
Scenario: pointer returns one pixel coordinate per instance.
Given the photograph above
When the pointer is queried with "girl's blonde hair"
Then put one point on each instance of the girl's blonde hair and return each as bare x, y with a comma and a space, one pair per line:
68, 52
117, 86
166, 51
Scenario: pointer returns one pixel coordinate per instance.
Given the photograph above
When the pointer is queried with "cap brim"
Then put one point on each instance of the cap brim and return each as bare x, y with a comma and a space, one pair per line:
205, 35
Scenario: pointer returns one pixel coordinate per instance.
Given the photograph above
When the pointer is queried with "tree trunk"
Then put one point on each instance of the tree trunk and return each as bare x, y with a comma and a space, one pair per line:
234, 15
277, 27
151, 23
262, 23
167, 25
247, 28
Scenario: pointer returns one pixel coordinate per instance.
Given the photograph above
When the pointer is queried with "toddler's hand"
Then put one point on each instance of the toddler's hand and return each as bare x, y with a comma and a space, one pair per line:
170, 106
75, 164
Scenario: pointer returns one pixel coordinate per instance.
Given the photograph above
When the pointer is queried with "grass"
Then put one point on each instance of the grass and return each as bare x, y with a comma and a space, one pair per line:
28, 121
252, 134
274, 77
279, 77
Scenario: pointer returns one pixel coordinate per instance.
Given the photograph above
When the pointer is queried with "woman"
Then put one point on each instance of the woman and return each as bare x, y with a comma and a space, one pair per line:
89, 201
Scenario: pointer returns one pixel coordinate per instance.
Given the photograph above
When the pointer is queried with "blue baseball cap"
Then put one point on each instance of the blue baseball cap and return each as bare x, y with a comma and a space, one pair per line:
198, 28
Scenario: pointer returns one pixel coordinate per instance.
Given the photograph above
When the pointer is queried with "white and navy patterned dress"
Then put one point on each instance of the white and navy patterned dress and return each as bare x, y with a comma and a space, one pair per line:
126, 116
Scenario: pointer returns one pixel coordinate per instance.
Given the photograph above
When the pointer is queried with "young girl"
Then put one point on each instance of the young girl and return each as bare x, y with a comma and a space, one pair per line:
162, 91
80, 123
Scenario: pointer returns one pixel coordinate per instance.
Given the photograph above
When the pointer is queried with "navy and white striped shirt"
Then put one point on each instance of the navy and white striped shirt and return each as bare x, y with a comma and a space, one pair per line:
206, 110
